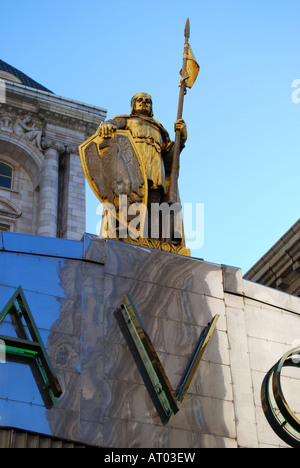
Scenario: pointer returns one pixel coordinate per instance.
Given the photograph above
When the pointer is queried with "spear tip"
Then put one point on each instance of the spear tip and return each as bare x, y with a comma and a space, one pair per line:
187, 29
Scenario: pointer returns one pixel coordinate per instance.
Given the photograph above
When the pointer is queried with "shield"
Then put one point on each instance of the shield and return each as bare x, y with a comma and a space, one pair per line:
115, 172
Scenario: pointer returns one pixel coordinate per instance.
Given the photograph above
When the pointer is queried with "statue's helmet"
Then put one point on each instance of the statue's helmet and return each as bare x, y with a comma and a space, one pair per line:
135, 97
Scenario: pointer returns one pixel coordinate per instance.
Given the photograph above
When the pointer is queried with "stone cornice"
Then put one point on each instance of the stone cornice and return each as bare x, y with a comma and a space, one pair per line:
60, 138
276, 252
280, 267
53, 108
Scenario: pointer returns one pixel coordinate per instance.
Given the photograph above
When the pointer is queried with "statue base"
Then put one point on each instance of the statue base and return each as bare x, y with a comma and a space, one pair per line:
176, 248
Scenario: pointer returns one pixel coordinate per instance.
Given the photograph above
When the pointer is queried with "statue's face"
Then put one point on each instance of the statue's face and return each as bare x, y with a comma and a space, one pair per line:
143, 104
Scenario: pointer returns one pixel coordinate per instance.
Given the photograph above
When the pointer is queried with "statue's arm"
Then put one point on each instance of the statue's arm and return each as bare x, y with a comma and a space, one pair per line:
179, 126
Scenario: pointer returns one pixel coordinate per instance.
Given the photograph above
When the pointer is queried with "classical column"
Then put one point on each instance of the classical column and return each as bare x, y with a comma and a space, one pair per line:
73, 202
48, 196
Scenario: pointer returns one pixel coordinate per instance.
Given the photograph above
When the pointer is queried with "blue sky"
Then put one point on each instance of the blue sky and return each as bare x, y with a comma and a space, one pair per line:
242, 155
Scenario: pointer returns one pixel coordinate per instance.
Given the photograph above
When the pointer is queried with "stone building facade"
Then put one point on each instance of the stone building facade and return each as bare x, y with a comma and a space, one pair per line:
42, 185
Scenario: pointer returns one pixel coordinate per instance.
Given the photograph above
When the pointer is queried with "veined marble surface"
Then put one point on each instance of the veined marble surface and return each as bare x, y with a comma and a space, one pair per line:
74, 291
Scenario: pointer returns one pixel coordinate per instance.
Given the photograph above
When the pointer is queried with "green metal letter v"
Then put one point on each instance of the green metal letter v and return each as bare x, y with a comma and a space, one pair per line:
167, 397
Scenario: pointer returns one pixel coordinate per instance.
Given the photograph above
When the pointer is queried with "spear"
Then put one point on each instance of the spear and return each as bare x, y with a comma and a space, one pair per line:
189, 73
175, 163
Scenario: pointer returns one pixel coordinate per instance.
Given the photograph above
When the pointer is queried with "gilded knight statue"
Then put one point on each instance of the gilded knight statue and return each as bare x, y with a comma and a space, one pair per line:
132, 166
152, 141
131, 156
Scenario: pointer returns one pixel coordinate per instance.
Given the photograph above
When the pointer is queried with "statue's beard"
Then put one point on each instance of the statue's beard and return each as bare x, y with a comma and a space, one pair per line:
146, 112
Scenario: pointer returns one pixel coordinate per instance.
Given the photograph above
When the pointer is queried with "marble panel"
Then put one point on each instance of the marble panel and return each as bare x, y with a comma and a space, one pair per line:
121, 362
64, 423
41, 245
174, 366
217, 348
129, 401
43, 273
93, 279
70, 384
164, 302
212, 380
164, 269
91, 433
70, 275
183, 439
257, 380
64, 351
273, 297
50, 313
266, 322
263, 354
148, 435
175, 304
144, 435
206, 414
115, 433
233, 281
69, 312
173, 337
266, 435
91, 382
233, 300
241, 378
94, 248
92, 317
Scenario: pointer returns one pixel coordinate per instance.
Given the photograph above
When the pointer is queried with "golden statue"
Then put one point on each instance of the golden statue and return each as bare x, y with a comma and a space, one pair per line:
150, 137
152, 142
132, 166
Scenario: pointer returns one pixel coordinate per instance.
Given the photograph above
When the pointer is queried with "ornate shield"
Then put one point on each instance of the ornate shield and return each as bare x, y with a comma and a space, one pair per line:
116, 174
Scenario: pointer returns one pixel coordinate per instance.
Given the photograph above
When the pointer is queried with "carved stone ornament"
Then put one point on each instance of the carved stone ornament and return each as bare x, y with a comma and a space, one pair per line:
8, 209
6, 122
23, 127
58, 146
27, 130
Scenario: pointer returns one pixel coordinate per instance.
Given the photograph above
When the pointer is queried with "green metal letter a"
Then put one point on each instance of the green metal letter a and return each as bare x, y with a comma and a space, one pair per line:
28, 343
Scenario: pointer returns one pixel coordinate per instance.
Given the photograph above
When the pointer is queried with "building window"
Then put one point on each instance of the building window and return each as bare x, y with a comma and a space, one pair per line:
6, 176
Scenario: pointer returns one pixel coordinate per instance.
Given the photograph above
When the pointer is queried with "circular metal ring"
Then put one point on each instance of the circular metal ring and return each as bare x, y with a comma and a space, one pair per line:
278, 409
